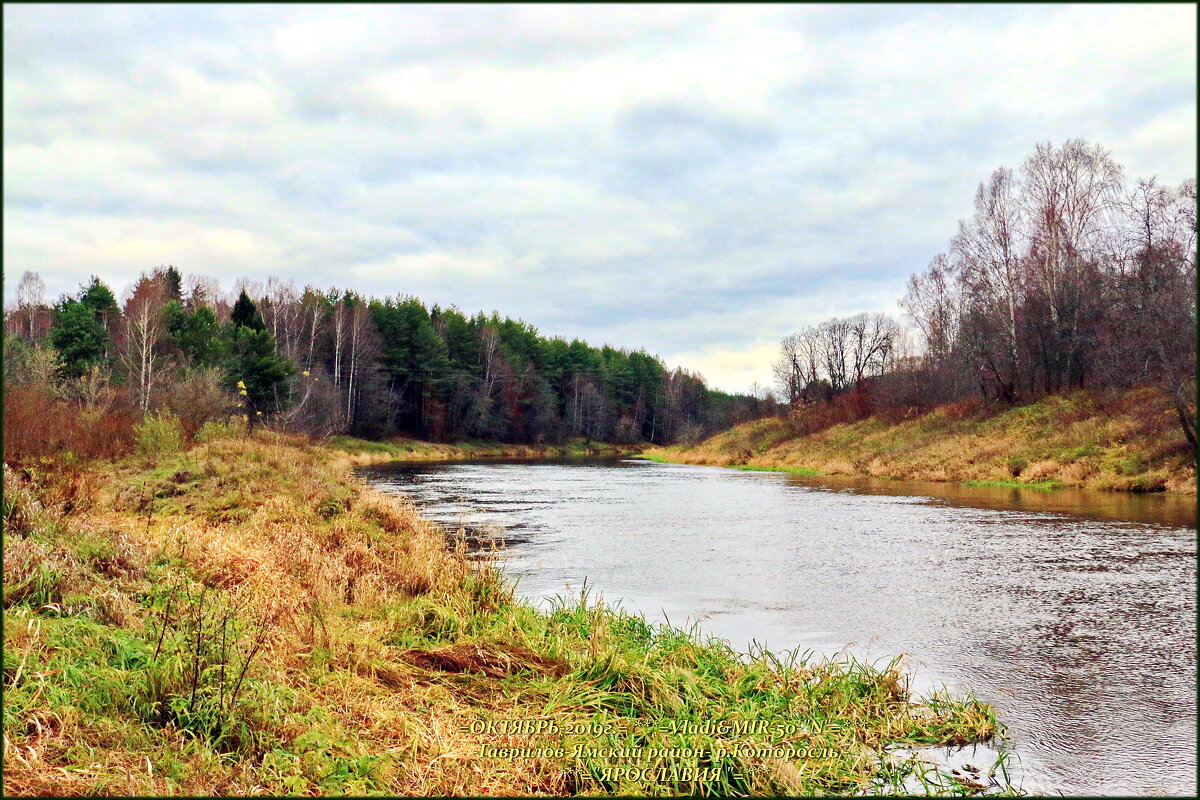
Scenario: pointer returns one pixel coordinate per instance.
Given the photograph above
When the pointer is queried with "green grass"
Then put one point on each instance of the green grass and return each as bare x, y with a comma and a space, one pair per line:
659, 459
351, 444
1045, 486
791, 470
653, 689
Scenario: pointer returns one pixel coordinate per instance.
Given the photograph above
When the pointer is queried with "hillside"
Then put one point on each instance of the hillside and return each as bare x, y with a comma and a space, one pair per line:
1124, 441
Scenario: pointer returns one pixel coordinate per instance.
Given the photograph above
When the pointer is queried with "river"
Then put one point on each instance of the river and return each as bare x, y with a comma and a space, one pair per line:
1073, 613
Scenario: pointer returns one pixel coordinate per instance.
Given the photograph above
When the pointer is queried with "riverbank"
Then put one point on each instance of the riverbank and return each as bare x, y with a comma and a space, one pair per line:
361, 452
1117, 441
245, 617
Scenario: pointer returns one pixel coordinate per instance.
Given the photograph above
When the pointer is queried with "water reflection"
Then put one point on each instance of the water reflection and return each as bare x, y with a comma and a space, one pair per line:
1072, 612
1160, 509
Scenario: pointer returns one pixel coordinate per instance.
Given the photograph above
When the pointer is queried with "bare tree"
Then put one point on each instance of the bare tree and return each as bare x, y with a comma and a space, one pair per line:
360, 348
1152, 327
282, 314
203, 290
837, 355
485, 414
986, 250
1072, 198
789, 369
934, 301
141, 340
31, 305
872, 338
312, 314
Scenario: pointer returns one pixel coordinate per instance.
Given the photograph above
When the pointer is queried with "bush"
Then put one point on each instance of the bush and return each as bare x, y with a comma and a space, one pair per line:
159, 434
198, 399
39, 425
212, 431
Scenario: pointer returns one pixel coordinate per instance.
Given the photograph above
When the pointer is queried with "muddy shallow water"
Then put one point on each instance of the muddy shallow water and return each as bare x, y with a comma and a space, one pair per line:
1074, 613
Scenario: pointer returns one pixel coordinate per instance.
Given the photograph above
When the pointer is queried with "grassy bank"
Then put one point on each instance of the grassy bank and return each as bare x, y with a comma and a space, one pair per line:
363, 451
1123, 441
244, 617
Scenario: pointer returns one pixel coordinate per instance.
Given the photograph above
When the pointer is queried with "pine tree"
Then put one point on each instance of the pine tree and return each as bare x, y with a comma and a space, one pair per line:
81, 332
252, 365
79, 336
172, 281
245, 314
196, 334
254, 368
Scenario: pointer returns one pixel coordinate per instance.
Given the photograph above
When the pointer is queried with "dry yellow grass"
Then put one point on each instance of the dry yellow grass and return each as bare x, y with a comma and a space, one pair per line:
325, 585
1123, 441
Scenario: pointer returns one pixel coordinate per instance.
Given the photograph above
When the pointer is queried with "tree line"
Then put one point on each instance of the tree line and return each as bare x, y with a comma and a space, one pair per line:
1063, 277
335, 361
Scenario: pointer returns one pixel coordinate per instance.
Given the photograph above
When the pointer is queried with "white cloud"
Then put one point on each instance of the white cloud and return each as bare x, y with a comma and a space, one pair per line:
420, 265
697, 180
735, 370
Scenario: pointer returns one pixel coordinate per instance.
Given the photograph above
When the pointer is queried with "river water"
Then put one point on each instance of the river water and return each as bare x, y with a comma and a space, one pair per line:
1073, 613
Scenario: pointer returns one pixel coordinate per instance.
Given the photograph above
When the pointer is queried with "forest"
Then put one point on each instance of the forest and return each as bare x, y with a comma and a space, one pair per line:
82, 372
1063, 277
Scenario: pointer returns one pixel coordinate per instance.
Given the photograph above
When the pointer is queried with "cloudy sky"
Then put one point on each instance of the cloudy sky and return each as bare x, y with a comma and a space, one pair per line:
696, 180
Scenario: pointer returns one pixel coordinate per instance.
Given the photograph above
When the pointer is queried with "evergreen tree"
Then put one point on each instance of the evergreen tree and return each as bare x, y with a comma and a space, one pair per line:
196, 334
172, 282
252, 365
245, 314
462, 340
414, 356
99, 298
80, 338
80, 331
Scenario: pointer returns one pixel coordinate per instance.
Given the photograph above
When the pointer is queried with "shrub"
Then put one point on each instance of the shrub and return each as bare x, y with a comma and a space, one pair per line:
197, 662
39, 425
198, 399
216, 429
330, 507
159, 434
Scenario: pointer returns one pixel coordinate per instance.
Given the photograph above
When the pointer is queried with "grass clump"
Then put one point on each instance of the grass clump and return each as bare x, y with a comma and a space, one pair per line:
158, 434
1044, 486
791, 470
214, 430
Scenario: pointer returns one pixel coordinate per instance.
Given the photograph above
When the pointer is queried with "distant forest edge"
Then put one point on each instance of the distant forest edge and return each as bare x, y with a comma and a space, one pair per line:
325, 362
